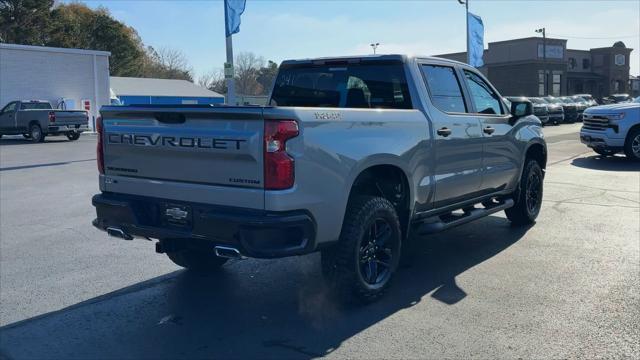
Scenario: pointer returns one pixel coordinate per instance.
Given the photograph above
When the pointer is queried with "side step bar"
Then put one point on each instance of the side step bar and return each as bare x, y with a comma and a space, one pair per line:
437, 223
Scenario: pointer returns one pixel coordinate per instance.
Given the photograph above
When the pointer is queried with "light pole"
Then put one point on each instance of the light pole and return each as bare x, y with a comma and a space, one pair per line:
466, 5
543, 31
374, 46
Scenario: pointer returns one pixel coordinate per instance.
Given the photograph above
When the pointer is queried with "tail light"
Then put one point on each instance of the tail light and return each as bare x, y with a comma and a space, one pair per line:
52, 117
99, 146
279, 171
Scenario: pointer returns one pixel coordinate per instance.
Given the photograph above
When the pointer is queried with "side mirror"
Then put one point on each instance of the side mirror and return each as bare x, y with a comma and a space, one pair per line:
521, 108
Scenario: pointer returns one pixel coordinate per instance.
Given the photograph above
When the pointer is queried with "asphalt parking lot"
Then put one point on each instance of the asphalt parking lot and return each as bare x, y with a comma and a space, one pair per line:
569, 286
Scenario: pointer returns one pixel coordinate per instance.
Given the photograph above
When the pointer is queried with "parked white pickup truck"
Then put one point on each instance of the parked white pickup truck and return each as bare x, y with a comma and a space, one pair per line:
610, 129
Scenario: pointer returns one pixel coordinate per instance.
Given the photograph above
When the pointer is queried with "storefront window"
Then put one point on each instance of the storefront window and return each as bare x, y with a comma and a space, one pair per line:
556, 84
541, 83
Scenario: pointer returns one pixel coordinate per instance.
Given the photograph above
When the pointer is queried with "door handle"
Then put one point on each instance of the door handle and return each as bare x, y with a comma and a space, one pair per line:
489, 130
444, 131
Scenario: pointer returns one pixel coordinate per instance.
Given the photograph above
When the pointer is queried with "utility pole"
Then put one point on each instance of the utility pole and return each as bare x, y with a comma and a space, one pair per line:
374, 46
543, 31
466, 5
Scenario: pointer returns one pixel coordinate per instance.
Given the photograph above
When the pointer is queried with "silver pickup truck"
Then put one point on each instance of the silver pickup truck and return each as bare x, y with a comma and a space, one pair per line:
352, 156
35, 119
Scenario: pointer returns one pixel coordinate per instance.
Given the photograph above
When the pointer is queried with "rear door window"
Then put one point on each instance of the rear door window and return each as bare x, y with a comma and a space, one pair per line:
444, 88
373, 85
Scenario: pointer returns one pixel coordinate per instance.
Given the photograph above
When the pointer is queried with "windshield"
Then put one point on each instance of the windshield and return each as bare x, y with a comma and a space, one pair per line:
637, 100
536, 101
375, 85
578, 99
35, 106
566, 100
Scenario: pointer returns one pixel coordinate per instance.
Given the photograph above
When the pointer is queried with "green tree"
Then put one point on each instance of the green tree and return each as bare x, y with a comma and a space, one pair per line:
77, 26
25, 21
267, 76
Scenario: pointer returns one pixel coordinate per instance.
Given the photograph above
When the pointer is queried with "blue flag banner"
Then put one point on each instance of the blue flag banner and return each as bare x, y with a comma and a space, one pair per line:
232, 11
476, 40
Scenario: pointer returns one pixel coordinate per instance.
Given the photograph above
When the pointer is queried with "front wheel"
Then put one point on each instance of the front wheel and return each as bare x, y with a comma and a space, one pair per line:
632, 145
361, 265
73, 136
198, 261
528, 197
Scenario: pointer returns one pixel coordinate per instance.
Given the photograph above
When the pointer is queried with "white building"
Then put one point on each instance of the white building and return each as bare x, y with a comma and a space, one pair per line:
54, 74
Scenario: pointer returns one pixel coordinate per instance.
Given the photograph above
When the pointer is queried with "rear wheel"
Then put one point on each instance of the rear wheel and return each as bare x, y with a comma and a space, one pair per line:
35, 133
73, 136
528, 197
199, 261
605, 152
361, 265
632, 145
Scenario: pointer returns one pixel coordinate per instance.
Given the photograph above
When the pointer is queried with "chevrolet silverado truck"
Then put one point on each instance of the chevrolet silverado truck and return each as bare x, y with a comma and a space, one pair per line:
610, 129
35, 119
351, 157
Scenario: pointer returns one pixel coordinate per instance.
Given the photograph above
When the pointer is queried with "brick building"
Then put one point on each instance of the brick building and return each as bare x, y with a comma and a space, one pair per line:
516, 67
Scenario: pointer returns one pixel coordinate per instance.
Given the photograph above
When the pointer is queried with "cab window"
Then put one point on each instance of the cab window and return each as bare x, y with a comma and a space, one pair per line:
485, 100
444, 88
10, 107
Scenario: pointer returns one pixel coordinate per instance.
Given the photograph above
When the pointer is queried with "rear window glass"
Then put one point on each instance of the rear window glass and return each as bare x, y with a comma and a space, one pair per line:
35, 106
380, 86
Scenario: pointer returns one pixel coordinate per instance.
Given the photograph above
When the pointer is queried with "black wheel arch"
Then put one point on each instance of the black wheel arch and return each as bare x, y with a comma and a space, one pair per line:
390, 182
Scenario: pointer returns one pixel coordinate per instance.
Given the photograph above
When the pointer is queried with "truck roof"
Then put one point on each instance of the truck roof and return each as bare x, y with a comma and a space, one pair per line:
358, 58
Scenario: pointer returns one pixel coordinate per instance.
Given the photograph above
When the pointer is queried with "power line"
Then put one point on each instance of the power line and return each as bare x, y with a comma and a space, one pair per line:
596, 38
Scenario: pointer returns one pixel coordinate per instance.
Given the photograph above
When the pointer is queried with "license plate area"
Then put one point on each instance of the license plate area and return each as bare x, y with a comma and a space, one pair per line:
176, 215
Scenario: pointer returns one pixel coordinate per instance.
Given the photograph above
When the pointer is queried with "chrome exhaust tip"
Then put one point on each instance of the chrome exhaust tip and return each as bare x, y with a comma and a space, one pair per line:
228, 252
119, 233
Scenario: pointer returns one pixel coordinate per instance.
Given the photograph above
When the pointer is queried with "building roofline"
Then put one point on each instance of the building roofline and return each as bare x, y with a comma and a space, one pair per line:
53, 49
526, 38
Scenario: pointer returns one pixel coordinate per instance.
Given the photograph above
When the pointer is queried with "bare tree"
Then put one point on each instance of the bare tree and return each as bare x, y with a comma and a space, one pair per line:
214, 81
247, 69
168, 64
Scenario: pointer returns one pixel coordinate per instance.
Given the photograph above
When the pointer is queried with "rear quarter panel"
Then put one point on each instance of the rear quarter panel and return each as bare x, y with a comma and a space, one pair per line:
336, 145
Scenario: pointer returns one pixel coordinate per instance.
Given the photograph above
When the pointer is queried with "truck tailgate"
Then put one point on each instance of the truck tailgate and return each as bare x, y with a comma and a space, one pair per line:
71, 117
197, 147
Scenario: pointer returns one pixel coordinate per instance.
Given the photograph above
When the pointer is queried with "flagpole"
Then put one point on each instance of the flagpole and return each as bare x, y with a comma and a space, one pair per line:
229, 72
466, 4
228, 66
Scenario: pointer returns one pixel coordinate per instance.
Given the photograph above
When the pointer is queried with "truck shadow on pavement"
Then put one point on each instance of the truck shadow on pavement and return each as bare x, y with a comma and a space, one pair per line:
606, 163
254, 308
22, 141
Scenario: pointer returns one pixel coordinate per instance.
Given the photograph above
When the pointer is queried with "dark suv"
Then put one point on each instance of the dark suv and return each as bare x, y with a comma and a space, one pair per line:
569, 108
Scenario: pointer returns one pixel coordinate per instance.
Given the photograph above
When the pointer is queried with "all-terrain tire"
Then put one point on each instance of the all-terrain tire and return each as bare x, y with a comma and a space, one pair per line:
528, 197
199, 261
632, 145
349, 265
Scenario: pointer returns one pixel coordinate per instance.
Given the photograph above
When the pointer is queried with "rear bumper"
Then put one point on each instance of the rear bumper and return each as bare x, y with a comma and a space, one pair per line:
255, 233
67, 128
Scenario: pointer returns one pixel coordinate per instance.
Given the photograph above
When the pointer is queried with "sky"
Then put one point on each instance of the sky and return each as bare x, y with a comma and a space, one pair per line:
284, 29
